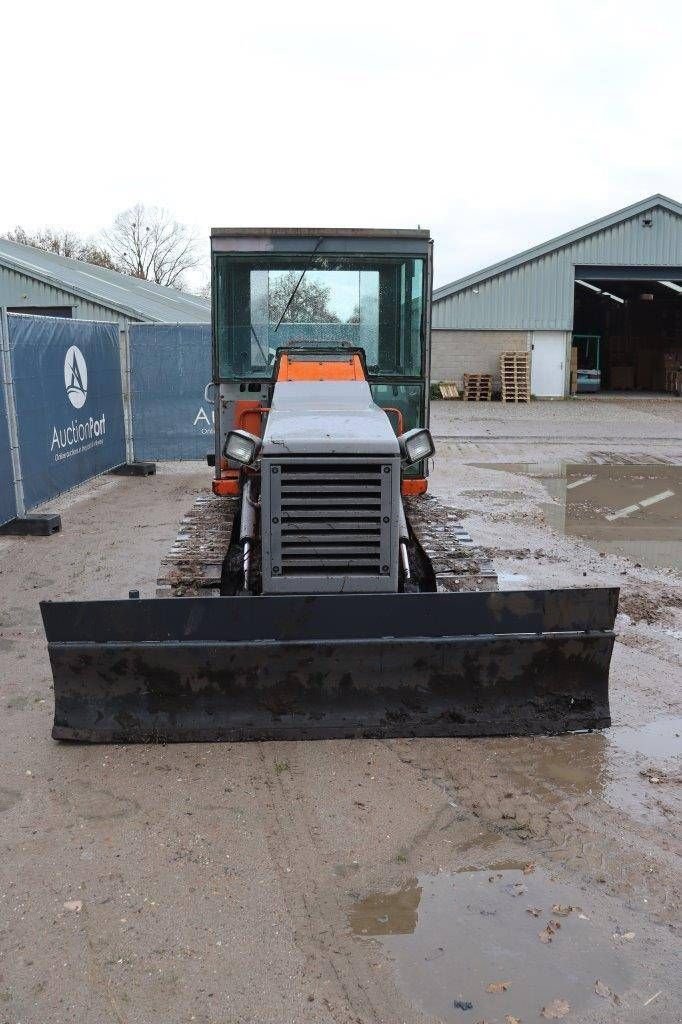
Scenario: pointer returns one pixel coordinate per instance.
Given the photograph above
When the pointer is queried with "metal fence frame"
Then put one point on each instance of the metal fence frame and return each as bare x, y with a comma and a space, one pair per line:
11, 412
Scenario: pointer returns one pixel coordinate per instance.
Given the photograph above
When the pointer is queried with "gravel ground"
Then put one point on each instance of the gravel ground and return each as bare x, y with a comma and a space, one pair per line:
353, 881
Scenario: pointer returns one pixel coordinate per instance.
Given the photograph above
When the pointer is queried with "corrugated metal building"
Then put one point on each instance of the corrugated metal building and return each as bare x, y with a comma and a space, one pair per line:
34, 281
611, 289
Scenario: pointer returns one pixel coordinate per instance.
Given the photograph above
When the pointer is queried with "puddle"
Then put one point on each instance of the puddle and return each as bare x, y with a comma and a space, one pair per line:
511, 580
346, 870
607, 766
393, 913
450, 936
658, 741
630, 510
586, 774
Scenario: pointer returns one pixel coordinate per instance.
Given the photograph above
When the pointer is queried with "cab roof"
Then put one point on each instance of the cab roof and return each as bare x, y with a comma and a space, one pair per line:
422, 233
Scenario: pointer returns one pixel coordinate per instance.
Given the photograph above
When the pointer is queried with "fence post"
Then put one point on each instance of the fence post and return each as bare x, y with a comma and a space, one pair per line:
126, 386
130, 467
11, 406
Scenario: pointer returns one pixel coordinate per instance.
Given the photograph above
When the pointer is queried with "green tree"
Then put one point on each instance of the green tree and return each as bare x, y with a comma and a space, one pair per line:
309, 305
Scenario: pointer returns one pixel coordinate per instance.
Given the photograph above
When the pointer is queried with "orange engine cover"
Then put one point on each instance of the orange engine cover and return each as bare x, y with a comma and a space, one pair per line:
348, 367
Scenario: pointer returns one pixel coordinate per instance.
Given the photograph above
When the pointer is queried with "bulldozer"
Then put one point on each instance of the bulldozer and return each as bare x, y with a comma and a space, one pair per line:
319, 591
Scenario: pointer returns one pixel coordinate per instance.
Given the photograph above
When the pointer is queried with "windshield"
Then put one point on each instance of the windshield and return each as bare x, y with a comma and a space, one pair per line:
262, 304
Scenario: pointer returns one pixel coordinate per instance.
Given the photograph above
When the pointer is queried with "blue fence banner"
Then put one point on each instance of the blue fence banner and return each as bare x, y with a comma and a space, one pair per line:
67, 385
170, 365
8, 508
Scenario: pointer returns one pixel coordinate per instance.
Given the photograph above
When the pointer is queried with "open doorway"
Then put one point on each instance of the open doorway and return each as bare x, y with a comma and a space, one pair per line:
627, 334
63, 311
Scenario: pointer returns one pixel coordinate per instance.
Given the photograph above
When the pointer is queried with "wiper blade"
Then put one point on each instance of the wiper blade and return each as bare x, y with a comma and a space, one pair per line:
298, 284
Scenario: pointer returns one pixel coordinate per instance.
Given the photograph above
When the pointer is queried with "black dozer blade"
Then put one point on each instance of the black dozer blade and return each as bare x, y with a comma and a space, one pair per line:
282, 667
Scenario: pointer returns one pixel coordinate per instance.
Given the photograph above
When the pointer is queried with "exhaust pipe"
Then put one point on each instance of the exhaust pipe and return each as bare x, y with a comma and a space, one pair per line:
247, 533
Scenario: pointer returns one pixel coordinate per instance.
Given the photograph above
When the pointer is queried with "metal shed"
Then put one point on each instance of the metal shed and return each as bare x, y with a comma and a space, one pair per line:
611, 289
34, 281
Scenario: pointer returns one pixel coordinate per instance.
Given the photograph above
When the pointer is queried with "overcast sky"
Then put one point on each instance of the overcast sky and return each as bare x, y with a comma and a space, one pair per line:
496, 125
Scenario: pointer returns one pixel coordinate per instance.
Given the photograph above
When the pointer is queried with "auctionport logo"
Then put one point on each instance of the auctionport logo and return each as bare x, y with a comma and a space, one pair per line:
78, 436
76, 377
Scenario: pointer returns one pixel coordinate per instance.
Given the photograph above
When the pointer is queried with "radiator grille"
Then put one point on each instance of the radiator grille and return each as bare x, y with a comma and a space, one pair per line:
332, 518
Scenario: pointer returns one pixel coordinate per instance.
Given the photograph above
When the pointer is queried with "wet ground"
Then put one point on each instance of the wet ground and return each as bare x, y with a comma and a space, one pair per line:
364, 881
631, 510
530, 924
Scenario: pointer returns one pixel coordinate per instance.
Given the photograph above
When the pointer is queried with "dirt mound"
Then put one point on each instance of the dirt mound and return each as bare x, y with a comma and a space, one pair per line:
640, 607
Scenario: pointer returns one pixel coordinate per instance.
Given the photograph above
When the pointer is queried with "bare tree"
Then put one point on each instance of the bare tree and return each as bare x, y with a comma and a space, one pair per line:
203, 290
144, 242
147, 242
64, 243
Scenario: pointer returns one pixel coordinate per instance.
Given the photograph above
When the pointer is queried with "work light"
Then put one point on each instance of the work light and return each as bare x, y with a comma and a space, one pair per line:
415, 445
241, 446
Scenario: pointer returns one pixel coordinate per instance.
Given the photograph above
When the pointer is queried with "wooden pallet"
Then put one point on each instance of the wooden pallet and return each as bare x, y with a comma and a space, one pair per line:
515, 374
673, 381
573, 388
448, 389
477, 387
672, 364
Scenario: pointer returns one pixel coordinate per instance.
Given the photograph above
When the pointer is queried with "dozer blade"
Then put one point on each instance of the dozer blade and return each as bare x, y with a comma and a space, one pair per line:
236, 668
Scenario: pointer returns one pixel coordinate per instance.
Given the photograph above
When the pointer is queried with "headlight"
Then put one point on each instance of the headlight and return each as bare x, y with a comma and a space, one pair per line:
416, 445
241, 446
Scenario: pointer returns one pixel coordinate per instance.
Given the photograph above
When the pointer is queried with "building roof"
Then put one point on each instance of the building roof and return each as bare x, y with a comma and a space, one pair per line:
558, 243
131, 296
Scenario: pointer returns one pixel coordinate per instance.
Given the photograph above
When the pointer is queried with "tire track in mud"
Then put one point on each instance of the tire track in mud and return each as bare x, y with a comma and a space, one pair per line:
99, 979
338, 972
581, 834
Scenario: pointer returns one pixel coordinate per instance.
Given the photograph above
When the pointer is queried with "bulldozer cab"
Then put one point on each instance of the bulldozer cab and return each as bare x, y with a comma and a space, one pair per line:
276, 289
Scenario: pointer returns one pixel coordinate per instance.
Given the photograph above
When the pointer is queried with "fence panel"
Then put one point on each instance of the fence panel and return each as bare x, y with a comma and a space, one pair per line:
8, 508
170, 365
67, 383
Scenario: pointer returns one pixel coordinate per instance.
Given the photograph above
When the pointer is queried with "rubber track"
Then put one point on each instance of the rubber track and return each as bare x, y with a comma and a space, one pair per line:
194, 563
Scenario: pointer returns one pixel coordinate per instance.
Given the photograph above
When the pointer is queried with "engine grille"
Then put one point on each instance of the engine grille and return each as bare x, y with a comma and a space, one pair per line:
330, 520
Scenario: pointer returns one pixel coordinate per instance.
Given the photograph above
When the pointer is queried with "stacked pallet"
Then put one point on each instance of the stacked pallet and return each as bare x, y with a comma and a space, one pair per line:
477, 387
515, 374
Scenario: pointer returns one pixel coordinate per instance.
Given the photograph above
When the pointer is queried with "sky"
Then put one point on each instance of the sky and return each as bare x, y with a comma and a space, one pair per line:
496, 125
